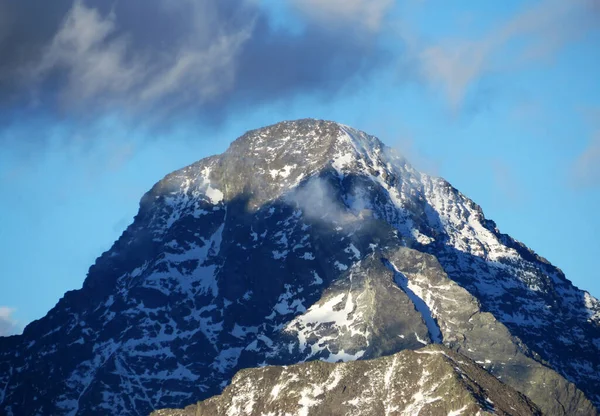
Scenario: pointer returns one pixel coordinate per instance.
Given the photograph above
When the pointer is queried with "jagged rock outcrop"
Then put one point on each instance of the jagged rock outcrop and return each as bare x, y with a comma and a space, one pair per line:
306, 240
429, 381
480, 336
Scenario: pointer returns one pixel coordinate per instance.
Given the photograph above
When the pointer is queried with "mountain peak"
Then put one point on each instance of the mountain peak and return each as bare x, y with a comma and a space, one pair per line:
264, 164
302, 145
306, 240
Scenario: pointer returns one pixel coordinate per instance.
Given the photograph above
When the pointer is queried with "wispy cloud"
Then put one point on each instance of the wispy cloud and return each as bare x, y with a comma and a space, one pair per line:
100, 62
540, 31
8, 325
366, 13
506, 181
585, 171
158, 60
527, 110
316, 198
92, 63
409, 148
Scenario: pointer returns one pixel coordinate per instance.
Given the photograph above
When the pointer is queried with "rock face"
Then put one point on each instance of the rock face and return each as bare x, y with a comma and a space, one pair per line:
304, 241
429, 381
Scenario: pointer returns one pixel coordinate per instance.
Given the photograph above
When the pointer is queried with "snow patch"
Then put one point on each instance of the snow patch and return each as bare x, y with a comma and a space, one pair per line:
423, 308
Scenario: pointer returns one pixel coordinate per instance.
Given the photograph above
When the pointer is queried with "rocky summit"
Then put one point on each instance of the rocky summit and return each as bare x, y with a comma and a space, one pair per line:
310, 243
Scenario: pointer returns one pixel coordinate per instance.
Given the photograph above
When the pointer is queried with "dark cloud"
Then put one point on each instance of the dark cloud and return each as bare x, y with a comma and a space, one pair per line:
25, 28
159, 58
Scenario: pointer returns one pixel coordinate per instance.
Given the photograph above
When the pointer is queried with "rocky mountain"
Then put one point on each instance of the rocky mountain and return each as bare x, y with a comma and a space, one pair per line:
430, 381
305, 241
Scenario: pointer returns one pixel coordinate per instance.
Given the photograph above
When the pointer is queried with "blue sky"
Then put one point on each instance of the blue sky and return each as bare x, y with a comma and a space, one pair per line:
500, 98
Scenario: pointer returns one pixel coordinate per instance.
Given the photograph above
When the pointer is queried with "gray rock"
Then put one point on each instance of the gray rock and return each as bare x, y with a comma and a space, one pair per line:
479, 336
429, 381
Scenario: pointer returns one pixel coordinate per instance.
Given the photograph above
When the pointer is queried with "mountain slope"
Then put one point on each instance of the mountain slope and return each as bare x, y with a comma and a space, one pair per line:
305, 240
429, 381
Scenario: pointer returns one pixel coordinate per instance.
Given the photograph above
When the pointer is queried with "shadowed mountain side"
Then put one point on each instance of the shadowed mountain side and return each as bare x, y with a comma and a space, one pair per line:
151, 298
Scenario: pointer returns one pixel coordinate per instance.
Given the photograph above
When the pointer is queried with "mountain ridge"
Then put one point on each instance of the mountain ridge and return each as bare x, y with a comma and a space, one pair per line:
226, 257
441, 383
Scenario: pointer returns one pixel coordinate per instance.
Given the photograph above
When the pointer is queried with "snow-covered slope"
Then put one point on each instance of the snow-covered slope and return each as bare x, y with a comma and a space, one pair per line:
305, 240
429, 381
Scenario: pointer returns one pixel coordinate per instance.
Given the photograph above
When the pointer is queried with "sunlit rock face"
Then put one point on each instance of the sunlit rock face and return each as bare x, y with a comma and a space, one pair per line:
429, 381
305, 241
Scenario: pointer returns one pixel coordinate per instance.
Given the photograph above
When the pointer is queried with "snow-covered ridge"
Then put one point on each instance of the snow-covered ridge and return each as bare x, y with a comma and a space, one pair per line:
433, 380
427, 212
236, 261
350, 152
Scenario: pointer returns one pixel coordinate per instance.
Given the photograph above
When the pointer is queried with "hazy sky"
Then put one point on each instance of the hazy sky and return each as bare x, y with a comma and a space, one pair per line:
99, 100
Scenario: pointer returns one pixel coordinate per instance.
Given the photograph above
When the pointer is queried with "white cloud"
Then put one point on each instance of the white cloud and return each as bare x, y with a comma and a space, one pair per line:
207, 71
316, 199
8, 325
366, 13
541, 31
95, 64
